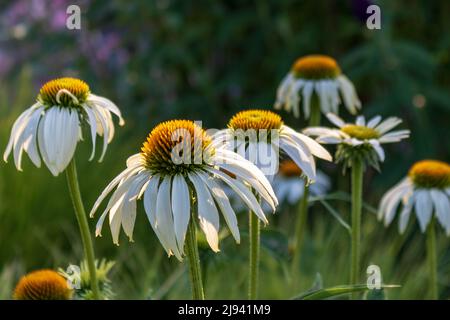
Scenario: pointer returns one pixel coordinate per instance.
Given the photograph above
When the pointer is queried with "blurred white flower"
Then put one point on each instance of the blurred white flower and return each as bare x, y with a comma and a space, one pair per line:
289, 186
258, 135
317, 74
426, 190
51, 128
360, 139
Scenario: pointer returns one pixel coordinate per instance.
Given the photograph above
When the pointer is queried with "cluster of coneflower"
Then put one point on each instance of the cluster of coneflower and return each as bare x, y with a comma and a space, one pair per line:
186, 177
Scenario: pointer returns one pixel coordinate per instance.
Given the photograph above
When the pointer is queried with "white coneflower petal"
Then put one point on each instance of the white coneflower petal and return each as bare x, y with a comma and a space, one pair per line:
442, 208
207, 212
164, 217
374, 122
244, 193
406, 213
224, 204
388, 124
181, 208
335, 120
424, 208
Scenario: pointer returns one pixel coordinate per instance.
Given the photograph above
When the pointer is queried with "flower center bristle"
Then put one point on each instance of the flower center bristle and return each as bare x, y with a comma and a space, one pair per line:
316, 67
42, 285
53, 92
430, 174
256, 120
176, 146
360, 132
289, 168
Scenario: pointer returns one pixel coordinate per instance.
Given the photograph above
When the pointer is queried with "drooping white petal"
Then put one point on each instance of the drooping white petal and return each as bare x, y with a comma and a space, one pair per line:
315, 148
406, 213
60, 137
424, 208
181, 208
207, 212
378, 149
302, 158
244, 193
349, 95
129, 205
107, 104
113, 205
307, 92
164, 218
282, 91
150, 197
104, 124
93, 127
26, 139
442, 208
17, 128
224, 205
248, 172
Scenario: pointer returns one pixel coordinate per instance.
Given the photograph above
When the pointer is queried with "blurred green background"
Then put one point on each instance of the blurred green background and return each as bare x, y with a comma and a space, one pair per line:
205, 60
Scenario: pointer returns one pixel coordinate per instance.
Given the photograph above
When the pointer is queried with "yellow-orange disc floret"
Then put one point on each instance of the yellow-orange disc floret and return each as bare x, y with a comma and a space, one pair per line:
360, 132
176, 146
316, 67
289, 168
255, 119
42, 285
49, 91
430, 174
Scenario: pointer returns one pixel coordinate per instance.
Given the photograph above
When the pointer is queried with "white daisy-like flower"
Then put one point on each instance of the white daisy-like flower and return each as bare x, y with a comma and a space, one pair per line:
289, 187
426, 191
259, 135
51, 128
177, 160
316, 77
360, 139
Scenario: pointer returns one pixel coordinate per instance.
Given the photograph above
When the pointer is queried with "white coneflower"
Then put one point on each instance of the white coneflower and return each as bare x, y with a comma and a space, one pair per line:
51, 128
359, 145
289, 187
178, 160
426, 191
316, 77
361, 140
259, 135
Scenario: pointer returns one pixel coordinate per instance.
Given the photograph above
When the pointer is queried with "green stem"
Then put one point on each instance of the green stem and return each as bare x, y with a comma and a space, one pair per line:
314, 119
194, 261
254, 255
357, 185
432, 259
302, 217
74, 189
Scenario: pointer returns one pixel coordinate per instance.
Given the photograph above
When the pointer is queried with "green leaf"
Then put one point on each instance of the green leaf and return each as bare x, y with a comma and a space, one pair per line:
336, 215
336, 291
